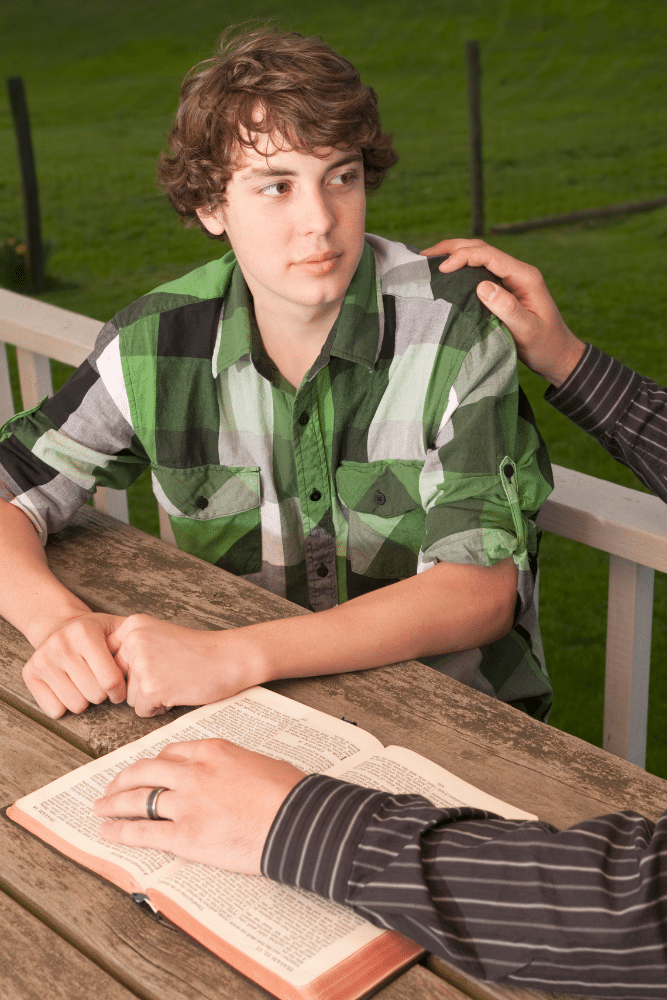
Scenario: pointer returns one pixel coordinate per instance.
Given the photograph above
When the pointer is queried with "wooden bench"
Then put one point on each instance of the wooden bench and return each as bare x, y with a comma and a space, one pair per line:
629, 525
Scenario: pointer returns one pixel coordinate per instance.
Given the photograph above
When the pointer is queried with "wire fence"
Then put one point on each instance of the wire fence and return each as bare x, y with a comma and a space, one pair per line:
565, 160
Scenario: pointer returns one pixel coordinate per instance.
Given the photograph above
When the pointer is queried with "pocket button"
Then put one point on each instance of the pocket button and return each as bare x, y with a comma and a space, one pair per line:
201, 503
379, 498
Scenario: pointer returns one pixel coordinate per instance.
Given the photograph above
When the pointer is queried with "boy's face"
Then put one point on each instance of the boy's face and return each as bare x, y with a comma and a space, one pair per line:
296, 224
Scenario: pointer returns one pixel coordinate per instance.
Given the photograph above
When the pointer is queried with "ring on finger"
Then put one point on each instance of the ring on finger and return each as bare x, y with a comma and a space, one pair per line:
151, 802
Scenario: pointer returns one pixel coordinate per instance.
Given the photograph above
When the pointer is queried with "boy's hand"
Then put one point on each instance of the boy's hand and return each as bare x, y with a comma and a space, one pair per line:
544, 343
73, 666
152, 664
219, 803
167, 665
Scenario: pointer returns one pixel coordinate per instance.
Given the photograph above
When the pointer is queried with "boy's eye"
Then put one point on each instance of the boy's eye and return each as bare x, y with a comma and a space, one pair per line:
280, 187
345, 178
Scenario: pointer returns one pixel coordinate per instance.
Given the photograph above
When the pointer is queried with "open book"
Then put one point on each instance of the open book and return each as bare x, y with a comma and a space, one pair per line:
290, 942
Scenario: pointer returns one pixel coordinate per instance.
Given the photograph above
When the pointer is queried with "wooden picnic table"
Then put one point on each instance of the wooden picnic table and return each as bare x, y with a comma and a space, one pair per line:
67, 930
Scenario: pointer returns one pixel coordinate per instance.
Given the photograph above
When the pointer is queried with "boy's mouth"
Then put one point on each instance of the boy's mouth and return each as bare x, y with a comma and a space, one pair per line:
320, 263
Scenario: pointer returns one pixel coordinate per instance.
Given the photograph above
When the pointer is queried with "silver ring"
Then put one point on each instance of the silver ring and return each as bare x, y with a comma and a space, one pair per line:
151, 802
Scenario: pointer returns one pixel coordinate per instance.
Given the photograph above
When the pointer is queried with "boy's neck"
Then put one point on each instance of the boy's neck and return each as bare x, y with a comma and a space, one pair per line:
293, 339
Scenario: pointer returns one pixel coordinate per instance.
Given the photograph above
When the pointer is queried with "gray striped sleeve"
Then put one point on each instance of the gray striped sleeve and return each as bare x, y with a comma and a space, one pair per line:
624, 411
581, 911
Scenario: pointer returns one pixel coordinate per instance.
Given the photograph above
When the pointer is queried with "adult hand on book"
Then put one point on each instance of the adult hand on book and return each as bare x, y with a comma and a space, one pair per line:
544, 342
73, 666
218, 803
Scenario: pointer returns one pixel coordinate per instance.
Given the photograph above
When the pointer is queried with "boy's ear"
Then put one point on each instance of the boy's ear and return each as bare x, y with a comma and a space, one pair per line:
211, 219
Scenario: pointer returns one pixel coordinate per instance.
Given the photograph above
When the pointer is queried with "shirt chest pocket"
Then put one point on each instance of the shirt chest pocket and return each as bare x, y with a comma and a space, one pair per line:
385, 518
214, 512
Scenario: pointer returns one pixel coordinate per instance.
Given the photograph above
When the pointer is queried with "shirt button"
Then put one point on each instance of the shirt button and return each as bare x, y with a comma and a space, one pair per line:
304, 418
315, 496
509, 471
379, 498
201, 502
322, 570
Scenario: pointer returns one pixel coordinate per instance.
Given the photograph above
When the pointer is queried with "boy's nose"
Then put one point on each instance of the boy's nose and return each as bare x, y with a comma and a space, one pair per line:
317, 216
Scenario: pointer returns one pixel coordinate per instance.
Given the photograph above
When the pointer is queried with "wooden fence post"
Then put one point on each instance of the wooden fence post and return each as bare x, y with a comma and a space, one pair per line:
475, 118
33, 229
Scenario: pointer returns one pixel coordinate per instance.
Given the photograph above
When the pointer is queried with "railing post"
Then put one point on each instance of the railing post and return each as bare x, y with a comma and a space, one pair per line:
34, 377
112, 502
6, 400
629, 627
166, 531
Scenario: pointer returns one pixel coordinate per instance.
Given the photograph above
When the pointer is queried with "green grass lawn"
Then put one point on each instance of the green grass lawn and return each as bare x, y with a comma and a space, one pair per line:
574, 117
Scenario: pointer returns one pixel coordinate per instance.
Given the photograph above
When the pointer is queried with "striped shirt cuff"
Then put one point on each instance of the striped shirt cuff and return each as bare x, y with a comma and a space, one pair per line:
597, 392
315, 835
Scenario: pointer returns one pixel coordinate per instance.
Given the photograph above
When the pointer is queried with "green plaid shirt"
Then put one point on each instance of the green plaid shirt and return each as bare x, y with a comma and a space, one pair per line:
407, 443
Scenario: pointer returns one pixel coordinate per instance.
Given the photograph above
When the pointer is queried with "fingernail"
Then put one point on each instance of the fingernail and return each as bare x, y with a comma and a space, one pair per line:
487, 290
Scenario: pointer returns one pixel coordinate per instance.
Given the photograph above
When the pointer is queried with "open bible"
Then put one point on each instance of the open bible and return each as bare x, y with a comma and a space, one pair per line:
290, 942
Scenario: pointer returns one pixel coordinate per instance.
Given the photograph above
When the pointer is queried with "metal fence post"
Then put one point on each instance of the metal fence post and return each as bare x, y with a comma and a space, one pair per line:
475, 117
33, 229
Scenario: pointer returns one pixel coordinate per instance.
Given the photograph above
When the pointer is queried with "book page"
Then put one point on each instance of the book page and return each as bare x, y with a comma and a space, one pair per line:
293, 933
399, 770
257, 719
62, 814
271, 724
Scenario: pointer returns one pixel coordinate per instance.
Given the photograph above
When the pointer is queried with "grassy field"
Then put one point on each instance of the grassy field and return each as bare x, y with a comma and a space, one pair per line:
574, 117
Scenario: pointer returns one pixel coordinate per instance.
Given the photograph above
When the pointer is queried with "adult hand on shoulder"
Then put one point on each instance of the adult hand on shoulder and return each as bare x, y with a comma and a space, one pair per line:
73, 666
544, 342
218, 804
166, 664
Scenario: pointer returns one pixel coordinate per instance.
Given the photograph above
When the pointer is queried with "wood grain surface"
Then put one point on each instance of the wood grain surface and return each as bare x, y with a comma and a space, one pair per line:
478, 990
39, 963
535, 766
117, 569
152, 959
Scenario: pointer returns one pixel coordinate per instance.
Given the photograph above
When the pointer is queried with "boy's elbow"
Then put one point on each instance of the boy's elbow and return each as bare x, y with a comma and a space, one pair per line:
503, 599
505, 617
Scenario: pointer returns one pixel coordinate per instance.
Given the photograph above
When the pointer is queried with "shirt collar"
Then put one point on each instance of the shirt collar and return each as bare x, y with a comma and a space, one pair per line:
357, 333
355, 336
234, 337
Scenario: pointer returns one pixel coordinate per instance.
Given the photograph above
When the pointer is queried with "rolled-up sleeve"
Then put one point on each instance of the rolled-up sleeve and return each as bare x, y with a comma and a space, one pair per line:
53, 457
487, 473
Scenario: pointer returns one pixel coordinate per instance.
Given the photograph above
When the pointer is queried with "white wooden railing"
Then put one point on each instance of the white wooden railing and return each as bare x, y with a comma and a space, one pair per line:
632, 527
629, 525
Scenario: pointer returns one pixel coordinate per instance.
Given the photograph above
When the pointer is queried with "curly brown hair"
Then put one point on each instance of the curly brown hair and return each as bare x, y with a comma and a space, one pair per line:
264, 82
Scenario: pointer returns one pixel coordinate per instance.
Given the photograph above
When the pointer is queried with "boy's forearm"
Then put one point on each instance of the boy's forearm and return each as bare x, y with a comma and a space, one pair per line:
445, 609
34, 602
448, 608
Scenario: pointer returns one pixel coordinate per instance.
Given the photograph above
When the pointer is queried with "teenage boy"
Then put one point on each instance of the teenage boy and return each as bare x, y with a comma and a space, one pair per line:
324, 413
578, 911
